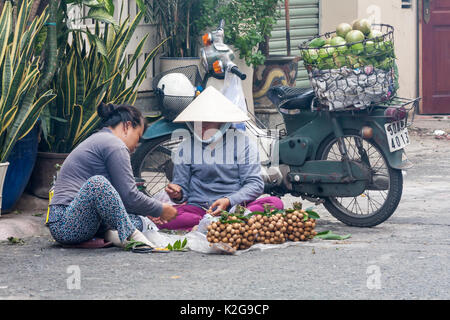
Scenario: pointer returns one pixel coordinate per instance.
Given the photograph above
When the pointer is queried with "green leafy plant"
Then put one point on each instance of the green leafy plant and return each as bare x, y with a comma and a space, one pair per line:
178, 245
20, 105
248, 24
92, 69
177, 20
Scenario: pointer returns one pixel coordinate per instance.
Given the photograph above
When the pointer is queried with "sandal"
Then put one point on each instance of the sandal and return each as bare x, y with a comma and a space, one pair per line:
140, 247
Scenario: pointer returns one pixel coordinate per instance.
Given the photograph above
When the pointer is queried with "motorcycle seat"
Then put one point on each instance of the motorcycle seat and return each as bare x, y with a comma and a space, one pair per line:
291, 98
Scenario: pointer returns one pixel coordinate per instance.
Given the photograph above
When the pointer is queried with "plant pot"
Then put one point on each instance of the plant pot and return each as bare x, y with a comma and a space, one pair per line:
44, 171
3, 170
21, 163
277, 70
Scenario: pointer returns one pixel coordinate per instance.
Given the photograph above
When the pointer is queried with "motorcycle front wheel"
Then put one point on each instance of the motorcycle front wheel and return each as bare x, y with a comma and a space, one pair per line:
152, 161
379, 201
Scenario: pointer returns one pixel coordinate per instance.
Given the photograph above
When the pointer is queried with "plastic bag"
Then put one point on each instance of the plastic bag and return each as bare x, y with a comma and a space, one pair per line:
205, 222
341, 88
232, 89
163, 197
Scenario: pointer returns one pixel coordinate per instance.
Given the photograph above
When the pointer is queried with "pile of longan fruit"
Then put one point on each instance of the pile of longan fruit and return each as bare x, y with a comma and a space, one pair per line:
269, 229
233, 231
241, 232
300, 227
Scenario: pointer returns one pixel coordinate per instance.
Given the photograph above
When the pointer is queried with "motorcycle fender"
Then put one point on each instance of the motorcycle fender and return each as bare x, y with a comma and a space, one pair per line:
161, 128
396, 159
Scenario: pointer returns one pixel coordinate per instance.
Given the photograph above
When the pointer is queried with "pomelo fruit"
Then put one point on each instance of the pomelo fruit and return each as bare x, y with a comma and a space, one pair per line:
370, 46
326, 51
317, 43
313, 54
354, 36
342, 29
337, 41
362, 25
375, 35
357, 48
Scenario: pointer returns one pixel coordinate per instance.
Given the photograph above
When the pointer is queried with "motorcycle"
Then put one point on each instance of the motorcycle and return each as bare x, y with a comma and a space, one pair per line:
350, 160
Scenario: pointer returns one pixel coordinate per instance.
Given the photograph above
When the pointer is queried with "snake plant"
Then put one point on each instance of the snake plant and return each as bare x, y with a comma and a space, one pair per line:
20, 107
93, 69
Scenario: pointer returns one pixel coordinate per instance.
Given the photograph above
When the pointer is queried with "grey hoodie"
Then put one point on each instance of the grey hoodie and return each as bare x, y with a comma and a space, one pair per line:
103, 154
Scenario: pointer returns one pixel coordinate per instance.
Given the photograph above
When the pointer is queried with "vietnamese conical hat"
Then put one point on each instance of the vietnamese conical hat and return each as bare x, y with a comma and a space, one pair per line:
211, 106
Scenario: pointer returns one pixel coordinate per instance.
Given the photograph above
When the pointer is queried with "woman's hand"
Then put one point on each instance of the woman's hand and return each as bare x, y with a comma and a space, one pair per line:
168, 213
174, 191
219, 205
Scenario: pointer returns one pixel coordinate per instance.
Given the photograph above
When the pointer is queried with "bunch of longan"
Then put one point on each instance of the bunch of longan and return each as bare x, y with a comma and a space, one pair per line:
269, 229
232, 231
300, 227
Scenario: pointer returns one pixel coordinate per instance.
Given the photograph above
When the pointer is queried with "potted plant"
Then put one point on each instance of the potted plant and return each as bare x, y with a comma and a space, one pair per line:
91, 70
248, 23
177, 21
276, 70
20, 103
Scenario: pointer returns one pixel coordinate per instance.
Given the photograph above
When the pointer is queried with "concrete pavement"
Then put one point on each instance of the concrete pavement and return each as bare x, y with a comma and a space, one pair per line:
406, 257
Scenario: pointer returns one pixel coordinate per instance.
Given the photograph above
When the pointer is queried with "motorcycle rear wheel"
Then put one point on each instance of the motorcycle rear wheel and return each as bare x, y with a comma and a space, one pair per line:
372, 207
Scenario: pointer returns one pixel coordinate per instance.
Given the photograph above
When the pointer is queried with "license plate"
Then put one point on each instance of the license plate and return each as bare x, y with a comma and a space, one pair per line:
397, 135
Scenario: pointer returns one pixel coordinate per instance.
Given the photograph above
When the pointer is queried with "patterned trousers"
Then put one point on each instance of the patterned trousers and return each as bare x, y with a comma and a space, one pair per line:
96, 208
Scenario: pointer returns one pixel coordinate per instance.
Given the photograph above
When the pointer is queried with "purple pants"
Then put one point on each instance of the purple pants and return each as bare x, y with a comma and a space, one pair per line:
190, 215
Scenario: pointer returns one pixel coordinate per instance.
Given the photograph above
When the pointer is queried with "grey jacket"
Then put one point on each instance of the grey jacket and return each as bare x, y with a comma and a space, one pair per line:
103, 154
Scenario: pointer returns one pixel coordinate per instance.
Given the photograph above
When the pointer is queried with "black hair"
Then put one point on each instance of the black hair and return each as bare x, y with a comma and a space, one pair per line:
114, 114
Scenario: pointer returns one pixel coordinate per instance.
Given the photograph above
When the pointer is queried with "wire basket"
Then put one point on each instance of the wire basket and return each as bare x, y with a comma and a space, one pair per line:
352, 74
171, 106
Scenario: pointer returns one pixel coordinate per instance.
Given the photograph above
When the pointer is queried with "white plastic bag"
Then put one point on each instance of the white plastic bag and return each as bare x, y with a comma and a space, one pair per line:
163, 197
232, 89
205, 222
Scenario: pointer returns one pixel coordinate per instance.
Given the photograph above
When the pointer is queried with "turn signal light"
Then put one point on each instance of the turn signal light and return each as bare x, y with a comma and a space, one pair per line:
217, 66
206, 38
367, 132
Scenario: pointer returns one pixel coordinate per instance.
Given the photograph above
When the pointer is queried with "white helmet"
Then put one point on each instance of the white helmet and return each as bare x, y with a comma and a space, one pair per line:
176, 84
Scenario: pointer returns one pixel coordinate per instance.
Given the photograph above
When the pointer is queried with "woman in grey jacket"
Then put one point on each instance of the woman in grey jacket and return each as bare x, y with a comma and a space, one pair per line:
95, 190
216, 168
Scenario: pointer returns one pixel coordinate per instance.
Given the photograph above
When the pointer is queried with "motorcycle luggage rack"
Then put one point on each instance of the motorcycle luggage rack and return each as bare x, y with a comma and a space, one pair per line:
410, 106
260, 130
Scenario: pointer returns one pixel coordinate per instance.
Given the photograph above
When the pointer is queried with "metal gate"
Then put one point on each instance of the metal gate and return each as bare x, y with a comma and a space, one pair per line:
304, 23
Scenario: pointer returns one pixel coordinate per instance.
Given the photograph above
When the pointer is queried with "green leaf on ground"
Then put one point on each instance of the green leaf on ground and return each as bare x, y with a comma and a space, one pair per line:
14, 240
329, 235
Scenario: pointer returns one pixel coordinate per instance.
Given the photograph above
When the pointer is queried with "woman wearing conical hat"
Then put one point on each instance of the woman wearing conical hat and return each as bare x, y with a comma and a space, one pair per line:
216, 167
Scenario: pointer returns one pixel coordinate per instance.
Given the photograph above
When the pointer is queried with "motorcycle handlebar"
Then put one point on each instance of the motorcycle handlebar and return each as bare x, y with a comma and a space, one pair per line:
237, 72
